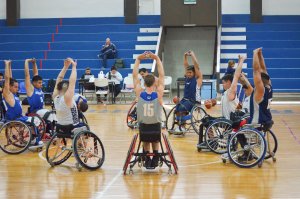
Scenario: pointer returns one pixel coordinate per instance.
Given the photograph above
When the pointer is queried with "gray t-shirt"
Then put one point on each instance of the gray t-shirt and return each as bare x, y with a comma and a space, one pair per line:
149, 109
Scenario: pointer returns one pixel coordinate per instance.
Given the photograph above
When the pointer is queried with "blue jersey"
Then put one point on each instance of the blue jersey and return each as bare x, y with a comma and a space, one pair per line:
36, 100
261, 113
14, 112
190, 88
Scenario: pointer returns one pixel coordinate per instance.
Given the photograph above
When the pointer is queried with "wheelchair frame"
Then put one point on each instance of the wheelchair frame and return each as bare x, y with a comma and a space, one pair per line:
74, 143
139, 157
194, 121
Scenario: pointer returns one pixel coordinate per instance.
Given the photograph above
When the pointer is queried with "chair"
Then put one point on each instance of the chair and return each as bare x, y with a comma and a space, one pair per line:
87, 87
168, 86
103, 84
127, 88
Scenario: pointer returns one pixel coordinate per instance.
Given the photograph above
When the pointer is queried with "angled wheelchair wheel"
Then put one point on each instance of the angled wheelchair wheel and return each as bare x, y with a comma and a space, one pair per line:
170, 123
272, 144
216, 135
58, 149
197, 113
88, 150
42, 124
252, 153
132, 116
15, 137
82, 119
130, 153
170, 152
164, 118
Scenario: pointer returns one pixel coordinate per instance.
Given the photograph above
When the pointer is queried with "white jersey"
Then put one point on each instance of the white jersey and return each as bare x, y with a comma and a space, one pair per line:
228, 106
64, 114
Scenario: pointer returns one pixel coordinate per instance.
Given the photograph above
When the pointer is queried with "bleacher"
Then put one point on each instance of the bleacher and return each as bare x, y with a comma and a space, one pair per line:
52, 40
280, 38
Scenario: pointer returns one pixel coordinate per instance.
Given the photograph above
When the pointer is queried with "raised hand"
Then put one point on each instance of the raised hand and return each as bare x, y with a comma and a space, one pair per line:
67, 62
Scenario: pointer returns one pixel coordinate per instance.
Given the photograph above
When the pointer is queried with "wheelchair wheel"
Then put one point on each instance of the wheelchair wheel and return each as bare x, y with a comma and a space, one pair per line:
171, 154
197, 113
252, 153
82, 119
58, 149
272, 144
88, 150
164, 118
170, 123
216, 135
130, 153
42, 127
132, 116
15, 137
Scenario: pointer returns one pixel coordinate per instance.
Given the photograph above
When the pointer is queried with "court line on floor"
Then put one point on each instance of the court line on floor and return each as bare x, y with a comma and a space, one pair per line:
110, 184
291, 132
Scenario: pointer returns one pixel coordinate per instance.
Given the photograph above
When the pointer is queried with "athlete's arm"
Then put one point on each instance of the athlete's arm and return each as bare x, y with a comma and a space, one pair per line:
198, 72
9, 97
61, 76
135, 74
247, 86
28, 85
72, 82
258, 83
161, 77
232, 90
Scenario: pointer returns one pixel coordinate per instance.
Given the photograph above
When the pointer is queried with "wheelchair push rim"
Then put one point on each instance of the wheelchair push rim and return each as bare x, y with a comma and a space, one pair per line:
88, 150
58, 150
255, 148
15, 137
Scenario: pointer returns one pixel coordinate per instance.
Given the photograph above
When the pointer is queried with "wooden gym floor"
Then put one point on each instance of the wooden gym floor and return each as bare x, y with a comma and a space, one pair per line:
201, 174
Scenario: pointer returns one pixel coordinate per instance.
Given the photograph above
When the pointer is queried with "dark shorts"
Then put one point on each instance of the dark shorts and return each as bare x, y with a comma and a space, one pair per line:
150, 132
185, 105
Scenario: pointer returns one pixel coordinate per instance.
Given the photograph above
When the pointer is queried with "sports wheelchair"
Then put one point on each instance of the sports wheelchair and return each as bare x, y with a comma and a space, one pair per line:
187, 121
138, 156
131, 119
87, 147
16, 136
249, 145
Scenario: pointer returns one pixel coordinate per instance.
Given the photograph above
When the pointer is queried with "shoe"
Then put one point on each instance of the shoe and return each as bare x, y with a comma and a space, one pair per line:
178, 131
33, 141
202, 145
247, 156
154, 162
40, 143
147, 162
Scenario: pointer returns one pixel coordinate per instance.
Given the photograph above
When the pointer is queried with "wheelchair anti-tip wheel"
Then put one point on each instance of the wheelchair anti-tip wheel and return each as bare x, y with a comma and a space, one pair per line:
59, 149
252, 153
88, 150
15, 137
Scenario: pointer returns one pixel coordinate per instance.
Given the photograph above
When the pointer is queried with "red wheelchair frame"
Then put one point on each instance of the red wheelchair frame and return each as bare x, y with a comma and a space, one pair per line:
139, 157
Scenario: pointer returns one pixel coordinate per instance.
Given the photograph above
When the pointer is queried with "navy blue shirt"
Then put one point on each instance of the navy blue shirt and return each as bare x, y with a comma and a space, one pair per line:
190, 88
110, 47
261, 113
